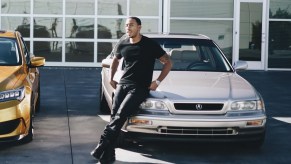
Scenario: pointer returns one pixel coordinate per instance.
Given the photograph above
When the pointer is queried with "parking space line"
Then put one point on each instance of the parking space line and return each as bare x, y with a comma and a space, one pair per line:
126, 156
105, 117
284, 119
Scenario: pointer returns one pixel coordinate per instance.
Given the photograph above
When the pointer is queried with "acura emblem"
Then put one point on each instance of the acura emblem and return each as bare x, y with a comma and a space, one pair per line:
198, 106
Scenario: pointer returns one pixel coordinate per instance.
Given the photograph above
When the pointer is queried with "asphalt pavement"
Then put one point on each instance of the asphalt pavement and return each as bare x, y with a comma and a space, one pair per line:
69, 124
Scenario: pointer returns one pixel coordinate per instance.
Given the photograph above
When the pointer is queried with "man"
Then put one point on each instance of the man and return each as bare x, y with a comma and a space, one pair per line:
139, 54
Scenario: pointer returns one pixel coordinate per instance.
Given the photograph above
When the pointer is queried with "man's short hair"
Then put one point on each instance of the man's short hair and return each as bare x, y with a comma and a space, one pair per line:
138, 21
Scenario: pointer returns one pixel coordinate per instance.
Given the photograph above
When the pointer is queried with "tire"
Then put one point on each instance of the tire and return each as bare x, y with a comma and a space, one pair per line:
104, 108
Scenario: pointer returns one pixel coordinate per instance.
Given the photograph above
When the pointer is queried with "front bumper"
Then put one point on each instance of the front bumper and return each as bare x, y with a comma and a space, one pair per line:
14, 120
231, 126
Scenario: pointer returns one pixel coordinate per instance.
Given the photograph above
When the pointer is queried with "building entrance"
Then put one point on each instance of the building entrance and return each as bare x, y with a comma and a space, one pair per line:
249, 33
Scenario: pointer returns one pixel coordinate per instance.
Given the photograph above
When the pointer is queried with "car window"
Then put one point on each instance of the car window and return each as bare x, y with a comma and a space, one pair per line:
193, 55
9, 52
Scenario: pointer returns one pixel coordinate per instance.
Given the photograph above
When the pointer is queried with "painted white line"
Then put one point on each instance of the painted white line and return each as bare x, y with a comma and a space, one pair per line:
105, 117
127, 156
284, 119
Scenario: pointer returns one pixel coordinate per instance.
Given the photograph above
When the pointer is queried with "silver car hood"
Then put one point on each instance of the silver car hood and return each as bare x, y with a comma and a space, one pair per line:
185, 85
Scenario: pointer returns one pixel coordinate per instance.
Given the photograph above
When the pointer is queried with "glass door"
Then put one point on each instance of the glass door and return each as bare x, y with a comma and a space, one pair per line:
249, 33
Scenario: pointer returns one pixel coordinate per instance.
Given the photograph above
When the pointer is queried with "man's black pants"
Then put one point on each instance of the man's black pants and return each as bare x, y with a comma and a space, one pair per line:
126, 102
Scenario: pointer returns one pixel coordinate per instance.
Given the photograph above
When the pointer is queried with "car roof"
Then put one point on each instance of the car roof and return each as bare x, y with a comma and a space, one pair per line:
7, 34
176, 35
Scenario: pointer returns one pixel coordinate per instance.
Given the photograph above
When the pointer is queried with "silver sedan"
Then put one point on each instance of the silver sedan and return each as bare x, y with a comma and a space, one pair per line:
202, 99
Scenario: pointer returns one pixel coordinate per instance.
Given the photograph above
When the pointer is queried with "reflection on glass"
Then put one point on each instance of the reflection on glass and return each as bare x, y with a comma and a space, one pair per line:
115, 28
79, 51
202, 8
250, 31
280, 9
47, 27
20, 24
84, 7
79, 28
279, 45
48, 6
15, 6
138, 7
27, 43
110, 28
150, 25
103, 50
112, 7
52, 51
220, 31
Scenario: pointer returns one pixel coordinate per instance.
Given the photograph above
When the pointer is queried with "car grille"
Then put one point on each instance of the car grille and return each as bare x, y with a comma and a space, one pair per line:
197, 131
198, 106
8, 126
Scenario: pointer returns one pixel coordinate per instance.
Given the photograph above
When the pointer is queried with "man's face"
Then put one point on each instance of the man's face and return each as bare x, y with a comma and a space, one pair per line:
132, 28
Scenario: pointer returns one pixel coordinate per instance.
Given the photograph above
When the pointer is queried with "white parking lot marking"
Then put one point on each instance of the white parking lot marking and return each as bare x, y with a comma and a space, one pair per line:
134, 157
284, 119
105, 117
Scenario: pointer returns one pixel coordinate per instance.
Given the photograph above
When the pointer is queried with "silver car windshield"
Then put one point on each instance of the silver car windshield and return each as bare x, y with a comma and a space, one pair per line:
193, 55
8, 52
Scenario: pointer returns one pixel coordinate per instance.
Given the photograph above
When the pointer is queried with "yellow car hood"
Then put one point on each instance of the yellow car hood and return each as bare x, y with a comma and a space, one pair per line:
11, 77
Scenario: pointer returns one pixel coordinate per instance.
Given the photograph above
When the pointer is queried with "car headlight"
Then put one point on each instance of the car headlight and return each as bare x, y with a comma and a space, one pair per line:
248, 105
153, 104
16, 94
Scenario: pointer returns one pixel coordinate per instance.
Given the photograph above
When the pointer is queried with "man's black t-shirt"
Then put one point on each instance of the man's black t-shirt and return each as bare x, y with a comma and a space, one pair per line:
139, 60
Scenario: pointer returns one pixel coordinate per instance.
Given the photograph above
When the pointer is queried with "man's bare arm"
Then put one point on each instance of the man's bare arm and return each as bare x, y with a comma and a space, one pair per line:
113, 69
167, 66
165, 59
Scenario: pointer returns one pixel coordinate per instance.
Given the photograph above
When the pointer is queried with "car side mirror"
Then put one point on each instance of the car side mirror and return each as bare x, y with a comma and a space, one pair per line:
240, 65
106, 63
37, 61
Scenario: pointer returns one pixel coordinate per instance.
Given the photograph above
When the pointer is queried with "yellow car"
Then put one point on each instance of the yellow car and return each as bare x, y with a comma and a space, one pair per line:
19, 88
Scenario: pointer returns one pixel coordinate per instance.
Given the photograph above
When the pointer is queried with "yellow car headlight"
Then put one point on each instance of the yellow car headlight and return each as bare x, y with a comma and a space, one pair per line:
16, 94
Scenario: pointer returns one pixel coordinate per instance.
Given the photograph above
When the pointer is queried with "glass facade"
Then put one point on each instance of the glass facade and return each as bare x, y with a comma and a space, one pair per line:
149, 5
15, 7
202, 8
73, 32
211, 18
112, 7
219, 31
48, 7
82, 33
279, 54
76, 7
250, 31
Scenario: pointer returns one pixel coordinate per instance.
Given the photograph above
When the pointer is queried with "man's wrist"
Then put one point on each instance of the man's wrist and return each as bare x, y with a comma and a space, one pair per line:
158, 82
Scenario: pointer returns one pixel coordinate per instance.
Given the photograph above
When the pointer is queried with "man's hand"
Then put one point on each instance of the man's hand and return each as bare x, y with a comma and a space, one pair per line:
113, 84
153, 86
